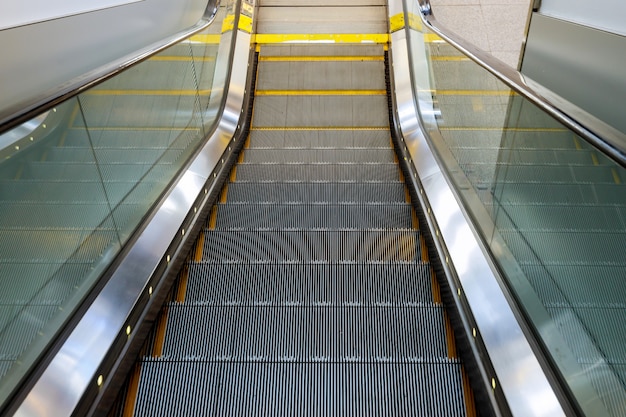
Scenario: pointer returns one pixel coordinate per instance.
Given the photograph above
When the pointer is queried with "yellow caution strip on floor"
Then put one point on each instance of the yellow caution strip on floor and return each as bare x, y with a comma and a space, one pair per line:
274, 38
320, 93
379, 58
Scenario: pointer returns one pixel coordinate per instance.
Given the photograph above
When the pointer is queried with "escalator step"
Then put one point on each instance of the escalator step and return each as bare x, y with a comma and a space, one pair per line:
362, 284
305, 334
311, 246
318, 172
333, 389
316, 192
320, 138
329, 155
314, 216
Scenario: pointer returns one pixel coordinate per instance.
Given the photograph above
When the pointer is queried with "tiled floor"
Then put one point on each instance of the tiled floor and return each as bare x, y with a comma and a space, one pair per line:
497, 26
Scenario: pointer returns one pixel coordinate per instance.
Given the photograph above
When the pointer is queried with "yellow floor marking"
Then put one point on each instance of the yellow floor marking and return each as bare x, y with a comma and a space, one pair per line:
319, 58
213, 218
197, 256
149, 92
183, 58
320, 93
436, 288
131, 395
209, 39
268, 38
182, 286
313, 128
224, 194
470, 404
449, 336
616, 177
159, 339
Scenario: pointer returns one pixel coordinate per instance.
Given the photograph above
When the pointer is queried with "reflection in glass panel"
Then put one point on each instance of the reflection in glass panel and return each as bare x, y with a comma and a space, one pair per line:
74, 189
558, 205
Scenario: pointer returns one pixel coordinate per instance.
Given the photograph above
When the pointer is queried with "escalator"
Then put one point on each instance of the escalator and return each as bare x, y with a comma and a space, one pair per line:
309, 290
392, 231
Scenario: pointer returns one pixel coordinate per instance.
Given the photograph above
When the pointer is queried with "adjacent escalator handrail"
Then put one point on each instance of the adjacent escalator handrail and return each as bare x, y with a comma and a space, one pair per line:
16, 116
598, 133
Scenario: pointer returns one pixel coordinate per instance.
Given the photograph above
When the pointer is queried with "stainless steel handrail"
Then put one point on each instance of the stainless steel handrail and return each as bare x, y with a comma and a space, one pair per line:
20, 114
600, 134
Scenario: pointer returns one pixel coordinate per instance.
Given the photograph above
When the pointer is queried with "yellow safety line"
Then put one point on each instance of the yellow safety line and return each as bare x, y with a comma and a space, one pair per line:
149, 92
224, 194
131, 395
269, 38
213, 218
314, 58
159, 339
314, 128
208, 39
431, 37
449, 336
436, 288
182, 286
197, 256
470, 404
320, 92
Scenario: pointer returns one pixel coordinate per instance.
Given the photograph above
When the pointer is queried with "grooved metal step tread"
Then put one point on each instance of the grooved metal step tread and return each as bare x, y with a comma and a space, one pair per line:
320, 138
308, 156
318, 172
296, 216
308, 246
305, 334
367, 283
262, 192
338, 389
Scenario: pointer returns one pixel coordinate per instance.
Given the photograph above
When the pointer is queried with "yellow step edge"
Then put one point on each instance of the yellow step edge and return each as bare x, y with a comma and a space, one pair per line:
159, 338
271, 38
468, 397
449, 337
315, 128
436, 288
132, 391
313, 58
320, 92
182, 286
197, 257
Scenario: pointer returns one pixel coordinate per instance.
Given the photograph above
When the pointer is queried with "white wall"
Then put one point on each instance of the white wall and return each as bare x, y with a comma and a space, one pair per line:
22, 12
40, 58
607, 15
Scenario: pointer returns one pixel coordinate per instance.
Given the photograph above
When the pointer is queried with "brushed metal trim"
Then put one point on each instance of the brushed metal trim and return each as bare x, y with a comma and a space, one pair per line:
519, 373
60, 387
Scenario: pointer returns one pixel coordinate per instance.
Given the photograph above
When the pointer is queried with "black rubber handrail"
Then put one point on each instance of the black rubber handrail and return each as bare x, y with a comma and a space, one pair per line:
18, 115
600, 134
